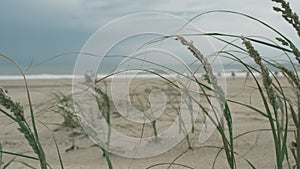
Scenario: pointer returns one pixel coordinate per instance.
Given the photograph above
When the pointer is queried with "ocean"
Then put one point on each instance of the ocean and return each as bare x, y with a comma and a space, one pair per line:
65, 71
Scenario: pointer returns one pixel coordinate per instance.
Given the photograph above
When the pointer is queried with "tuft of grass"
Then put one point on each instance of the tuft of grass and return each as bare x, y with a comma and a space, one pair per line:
220, 95
275, 96
293, 19
182, 127
104, 107
18, 116
64, 106
295, 82
267, 83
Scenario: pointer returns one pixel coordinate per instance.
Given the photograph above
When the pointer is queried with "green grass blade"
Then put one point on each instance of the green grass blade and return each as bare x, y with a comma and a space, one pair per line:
227, 114
0, 155
292, 46
7, 164
271, 95
104, 106
241, 14
250, 107
19, 155
56, 145
217, 34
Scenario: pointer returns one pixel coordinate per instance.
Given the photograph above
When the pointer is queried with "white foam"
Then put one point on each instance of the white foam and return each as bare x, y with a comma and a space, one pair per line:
70, 76
38, 77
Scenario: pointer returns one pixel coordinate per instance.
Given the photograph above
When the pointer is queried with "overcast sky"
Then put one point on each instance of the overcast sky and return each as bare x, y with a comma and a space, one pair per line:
35, 30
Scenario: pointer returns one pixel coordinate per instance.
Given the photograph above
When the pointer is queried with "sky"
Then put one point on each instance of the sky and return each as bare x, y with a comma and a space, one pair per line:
32, 31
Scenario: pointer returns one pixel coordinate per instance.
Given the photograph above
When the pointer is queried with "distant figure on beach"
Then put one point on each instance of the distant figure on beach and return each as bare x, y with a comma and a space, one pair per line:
233, 74
247, 75
88, 76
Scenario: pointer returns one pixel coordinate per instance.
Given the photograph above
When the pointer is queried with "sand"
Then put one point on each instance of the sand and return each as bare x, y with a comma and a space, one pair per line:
257, 147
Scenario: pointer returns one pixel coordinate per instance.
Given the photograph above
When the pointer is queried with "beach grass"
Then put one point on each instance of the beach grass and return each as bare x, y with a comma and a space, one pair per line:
18, 117
278, 106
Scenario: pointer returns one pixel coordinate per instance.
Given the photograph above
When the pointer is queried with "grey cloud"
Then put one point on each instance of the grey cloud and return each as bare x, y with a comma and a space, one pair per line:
88, 14
33, 17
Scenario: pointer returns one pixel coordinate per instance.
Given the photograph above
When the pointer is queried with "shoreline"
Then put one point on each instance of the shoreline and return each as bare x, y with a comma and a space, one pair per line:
123, 75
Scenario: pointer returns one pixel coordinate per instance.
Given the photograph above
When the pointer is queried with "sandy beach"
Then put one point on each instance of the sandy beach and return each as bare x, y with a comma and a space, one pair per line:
257, 147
